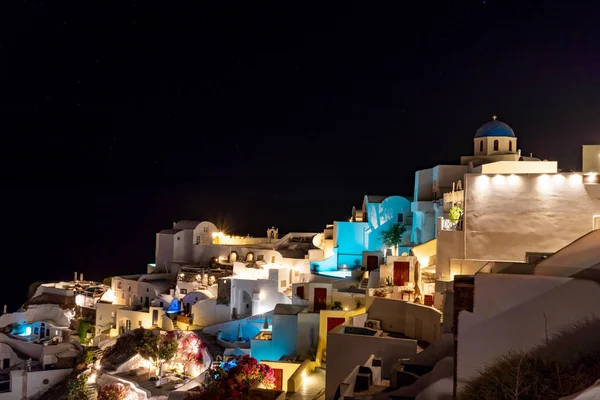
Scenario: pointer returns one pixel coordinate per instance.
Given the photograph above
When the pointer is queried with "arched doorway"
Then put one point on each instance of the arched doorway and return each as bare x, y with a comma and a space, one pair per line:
250, 256
233, 256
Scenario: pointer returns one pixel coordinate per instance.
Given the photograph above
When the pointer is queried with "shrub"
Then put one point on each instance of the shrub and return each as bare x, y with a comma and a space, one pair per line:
564, 365
113, 391
233, 379
83, 328
380, 293
76, 388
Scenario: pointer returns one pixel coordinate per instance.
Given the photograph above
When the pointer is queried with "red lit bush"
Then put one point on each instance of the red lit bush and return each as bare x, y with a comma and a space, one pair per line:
234, 379
113, 391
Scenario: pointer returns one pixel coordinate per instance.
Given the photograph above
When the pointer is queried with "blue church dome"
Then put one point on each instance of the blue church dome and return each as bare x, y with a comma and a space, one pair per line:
494, 128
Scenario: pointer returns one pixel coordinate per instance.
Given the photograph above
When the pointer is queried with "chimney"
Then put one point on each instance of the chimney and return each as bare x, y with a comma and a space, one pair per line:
75, 276
4, 312
81, 276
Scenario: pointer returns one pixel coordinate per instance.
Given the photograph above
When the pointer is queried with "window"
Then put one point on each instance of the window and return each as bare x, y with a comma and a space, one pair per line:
481, 145
178, 238
112, 314
183, 291
205, 230
119, 285
147, 290
36, 330
284, 283
260, 257
129, 288
272, 259
400, 218
100, 317
510, 145
122, 295
196, 298
198, 240
161, 303
140, 324
495, 145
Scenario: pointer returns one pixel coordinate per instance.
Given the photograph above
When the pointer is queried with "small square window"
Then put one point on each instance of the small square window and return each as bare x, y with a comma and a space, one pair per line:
161, 304
284, 283
140, 323
147, 290
112, 314
183, 291
401, 218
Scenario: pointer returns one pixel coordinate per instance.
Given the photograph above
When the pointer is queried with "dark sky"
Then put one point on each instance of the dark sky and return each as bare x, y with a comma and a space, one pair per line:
117, 118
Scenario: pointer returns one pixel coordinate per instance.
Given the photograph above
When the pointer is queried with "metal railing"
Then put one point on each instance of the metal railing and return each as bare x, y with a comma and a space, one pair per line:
449, 225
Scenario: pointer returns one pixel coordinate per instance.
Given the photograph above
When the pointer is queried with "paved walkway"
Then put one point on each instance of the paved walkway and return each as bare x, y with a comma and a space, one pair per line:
313, 387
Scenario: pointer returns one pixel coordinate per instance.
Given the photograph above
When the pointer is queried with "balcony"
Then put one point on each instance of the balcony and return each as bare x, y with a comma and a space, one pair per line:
449, 225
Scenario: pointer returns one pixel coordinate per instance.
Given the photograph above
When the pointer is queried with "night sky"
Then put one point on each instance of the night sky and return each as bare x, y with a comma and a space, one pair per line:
118, 118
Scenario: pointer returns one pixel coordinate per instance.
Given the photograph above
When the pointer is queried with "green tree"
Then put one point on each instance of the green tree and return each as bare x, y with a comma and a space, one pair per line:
393, 236
455, 213
159, 348
83, 328
107, 281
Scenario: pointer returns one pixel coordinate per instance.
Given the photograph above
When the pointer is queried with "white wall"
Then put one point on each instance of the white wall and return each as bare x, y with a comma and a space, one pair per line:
137, 317
307, 337
507, 216
35, 383
345, 351
482, 340
205, 312
106, 315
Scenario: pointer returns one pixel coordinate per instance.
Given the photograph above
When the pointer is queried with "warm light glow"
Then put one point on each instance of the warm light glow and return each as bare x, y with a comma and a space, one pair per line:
558, 178
261, 295
198, 277
591, 177
181, 275
499, 180
483, 182
217, 234
513, 179
345, 308
575, 179
303, 375
92, 378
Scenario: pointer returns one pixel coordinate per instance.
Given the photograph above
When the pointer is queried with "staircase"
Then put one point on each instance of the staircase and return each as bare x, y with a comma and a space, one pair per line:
91, 391
364, 283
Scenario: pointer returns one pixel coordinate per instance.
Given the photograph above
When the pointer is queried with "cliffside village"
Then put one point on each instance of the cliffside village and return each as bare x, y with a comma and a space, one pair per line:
409, 297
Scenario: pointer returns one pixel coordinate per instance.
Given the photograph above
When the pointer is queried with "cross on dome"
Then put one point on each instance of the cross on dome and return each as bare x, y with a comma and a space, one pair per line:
494, 117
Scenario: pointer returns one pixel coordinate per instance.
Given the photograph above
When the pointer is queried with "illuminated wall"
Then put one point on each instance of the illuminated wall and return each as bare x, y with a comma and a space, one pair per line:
509, 215
381, 216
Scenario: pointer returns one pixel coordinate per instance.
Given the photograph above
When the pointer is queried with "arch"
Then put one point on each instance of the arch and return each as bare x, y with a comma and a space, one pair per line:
250, 256
233, 256
496, 145
510, 145
481, 145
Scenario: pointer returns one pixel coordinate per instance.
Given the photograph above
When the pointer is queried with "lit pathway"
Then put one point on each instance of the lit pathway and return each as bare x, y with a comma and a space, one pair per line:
313, 387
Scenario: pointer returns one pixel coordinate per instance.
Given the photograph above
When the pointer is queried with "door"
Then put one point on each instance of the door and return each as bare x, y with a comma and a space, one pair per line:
278, 373
596, 222
332, 322
372, 263
147, 303
127, 325
6, 363
42, 330
428, 300
154, 317
401, 272
300, 291
320, 299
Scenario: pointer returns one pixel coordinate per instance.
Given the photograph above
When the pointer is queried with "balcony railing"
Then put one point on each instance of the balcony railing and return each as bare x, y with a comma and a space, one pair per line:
449, 225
